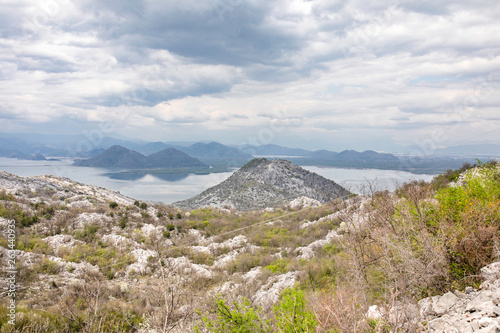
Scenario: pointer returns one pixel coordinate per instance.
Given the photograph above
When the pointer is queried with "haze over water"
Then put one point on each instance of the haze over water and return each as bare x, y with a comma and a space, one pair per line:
171, 188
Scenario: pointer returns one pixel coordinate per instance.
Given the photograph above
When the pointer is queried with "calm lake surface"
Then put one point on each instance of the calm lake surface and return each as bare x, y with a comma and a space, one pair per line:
171, 188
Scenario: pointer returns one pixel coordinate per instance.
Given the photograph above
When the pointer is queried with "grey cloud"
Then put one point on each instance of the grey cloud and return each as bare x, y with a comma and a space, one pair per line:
238, 37
248, 51
46, 64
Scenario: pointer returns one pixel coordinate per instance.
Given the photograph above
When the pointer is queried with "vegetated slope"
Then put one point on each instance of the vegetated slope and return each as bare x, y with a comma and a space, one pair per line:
98, 261
265, 183
120, 157
95, 260
173, 158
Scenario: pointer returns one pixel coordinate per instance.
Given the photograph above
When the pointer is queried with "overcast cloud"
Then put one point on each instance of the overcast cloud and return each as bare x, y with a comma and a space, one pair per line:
311, 74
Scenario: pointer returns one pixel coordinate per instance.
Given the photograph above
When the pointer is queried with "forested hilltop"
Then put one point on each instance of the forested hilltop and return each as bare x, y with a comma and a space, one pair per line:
93, 260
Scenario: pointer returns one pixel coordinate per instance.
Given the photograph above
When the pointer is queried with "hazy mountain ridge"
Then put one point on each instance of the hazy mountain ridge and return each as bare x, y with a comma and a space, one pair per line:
121, 157
222, 157
217, 154
20, 149
263, 183
271, 149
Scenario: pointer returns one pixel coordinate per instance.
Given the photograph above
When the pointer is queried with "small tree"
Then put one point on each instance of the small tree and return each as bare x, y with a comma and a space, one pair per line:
240, 318
291, 313
123, 222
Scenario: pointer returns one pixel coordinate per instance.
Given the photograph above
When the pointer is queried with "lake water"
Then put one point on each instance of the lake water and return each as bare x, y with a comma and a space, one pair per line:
357, 180
171, 188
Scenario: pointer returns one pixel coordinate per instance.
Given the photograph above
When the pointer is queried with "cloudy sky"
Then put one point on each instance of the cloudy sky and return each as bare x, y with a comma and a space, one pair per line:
317, 74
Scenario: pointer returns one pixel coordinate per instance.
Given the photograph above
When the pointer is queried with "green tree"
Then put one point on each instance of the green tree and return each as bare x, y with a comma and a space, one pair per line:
240, 318
291, 313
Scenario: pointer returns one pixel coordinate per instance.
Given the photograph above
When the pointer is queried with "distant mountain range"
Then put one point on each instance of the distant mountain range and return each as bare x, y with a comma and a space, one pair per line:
223, 157
121, 157
273, 150
20, 149
13, 153
265, 183
216, 153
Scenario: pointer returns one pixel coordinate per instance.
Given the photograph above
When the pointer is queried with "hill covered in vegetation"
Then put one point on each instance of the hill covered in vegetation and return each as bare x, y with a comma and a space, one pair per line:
92, 260
121, 157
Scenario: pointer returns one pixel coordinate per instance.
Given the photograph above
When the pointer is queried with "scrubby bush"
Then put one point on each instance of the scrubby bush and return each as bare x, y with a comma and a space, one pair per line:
22, 218
290, 315
123, 222
47, 266
88, 234
237, 318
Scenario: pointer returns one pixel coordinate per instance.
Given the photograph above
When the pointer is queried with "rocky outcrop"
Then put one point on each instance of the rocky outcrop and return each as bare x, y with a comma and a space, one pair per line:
473, 310
468, 311
263, 183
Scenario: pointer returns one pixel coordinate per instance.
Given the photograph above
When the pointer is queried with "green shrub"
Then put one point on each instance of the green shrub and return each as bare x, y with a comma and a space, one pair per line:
113, 205
291, 313
34, 244
47, 266
88, 233
103, 257
6, 196
290, 316
123, 222
279, 266
238, 318
23, 219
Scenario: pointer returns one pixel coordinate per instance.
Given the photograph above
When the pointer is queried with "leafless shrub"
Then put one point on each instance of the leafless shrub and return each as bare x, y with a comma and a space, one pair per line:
342, 309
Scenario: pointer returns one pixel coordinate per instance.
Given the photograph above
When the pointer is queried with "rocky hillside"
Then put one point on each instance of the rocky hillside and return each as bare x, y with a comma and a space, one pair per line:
92, 260
120, 157
473, 310
265, 183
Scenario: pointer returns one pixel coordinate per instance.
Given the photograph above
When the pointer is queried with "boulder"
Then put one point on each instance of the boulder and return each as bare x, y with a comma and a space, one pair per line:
491, 272
445, 303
